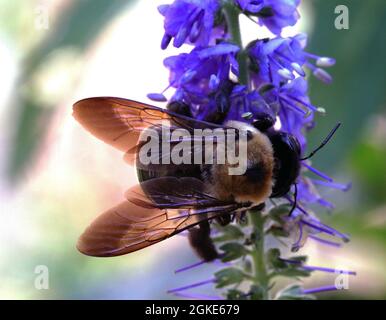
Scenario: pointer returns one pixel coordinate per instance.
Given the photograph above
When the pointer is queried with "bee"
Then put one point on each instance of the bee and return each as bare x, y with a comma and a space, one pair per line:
172, 198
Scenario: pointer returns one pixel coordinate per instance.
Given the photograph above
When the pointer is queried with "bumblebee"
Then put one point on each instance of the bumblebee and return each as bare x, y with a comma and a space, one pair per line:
172, 198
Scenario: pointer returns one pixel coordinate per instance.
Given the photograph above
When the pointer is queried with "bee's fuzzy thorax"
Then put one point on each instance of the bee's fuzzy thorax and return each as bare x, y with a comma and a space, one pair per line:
242, 187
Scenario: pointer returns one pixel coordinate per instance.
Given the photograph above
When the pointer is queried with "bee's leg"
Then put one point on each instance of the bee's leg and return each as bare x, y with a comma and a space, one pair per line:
224, 219
241, 216
199, 239
259, 207
180, 108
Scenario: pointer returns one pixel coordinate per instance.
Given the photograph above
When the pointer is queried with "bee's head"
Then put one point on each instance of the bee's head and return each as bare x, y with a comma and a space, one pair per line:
286, 150
287, 154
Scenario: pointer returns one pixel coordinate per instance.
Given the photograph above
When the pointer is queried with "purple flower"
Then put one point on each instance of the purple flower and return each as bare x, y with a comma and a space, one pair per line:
274, 14
279, 60
202, 72
251, 6
293, 106
274, 85
247, 105
306, 224
189, 21
307, 193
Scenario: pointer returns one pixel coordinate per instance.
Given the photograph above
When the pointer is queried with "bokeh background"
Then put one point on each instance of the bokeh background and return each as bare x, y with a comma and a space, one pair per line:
55, 177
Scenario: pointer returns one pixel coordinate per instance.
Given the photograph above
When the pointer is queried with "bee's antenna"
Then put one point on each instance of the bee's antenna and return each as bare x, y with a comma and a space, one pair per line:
295, 202
324, 142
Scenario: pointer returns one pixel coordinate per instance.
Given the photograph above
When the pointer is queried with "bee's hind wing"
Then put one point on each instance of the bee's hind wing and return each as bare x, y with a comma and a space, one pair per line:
154, 211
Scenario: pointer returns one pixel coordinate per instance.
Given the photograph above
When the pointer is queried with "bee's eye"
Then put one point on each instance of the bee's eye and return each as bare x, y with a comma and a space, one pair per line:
287, 164
277, 164
296, 145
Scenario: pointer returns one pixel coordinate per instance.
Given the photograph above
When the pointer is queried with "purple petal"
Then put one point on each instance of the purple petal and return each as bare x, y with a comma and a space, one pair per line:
193, 285
159, 97
218, 50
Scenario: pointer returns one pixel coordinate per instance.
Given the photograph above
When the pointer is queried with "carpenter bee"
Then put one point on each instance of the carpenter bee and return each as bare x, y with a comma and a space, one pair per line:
171, 198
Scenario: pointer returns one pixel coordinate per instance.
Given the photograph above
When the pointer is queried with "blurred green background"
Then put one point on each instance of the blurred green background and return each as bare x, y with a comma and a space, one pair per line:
55, 178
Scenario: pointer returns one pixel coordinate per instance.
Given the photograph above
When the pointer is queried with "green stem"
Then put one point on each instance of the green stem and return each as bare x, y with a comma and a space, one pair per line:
232, 14
258, 254
260, 276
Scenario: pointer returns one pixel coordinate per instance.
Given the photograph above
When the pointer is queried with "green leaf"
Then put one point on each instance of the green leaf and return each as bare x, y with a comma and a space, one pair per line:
292, 272
277, 231
228, 276
233, 251
229, 232
293, 292
256, 292
277, 212
234, 294
285, 269
300, 259
273, 259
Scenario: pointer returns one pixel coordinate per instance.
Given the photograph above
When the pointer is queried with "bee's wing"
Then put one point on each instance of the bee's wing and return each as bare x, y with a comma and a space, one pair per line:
119, 122
155, 210
194, 151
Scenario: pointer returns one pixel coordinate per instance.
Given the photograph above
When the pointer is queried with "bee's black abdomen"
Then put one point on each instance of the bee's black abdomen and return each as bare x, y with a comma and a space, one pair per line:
199, 239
